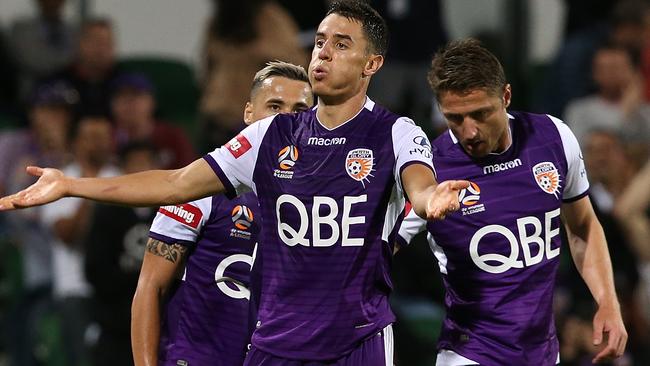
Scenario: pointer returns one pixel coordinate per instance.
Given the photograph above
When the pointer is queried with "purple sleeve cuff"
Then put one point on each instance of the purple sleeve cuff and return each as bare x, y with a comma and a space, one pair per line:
230, 190
169, 240
573, 199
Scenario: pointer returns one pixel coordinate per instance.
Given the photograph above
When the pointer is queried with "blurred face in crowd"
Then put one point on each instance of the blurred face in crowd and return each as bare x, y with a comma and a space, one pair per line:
278, 94
341, 64
94, 140
612, 71
604, 156
133, 110
139, 160
50, 124
478, 119
97, 47
51, 9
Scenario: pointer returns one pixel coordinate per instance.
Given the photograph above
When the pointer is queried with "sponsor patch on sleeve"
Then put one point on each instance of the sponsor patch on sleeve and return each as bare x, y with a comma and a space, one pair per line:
238, 145
186, 214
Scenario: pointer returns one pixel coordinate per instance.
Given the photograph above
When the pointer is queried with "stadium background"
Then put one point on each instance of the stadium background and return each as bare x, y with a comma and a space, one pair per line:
546, 47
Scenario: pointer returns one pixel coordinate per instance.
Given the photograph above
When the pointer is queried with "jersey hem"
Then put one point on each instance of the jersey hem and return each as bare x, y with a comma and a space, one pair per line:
169, 240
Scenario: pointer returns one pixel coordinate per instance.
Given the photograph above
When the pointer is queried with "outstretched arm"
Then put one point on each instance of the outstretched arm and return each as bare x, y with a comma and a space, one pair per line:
162, 264
591, 256
431, 200
148, 188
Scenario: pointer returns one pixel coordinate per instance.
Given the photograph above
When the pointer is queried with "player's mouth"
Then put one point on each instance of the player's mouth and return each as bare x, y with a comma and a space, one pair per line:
319, 73
473, 147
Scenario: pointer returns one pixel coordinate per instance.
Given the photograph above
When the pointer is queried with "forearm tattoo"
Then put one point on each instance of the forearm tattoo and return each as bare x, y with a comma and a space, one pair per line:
172, 253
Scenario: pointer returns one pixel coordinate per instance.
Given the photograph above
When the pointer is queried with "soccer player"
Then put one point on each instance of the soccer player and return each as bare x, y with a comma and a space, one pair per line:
211, 239
499, 253
331, 184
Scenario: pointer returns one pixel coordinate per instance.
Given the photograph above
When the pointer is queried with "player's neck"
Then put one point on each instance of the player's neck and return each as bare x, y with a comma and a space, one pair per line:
332, 113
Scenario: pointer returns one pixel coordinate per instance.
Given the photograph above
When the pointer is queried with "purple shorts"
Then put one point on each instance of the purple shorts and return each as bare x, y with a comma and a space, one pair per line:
375, 351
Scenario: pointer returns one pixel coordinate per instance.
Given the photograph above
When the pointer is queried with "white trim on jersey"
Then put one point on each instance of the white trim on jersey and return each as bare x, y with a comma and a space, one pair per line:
411, 226
406, 151
239, 169
369, 105
576, 181
389, 344
439, 253
450, 358
173, 228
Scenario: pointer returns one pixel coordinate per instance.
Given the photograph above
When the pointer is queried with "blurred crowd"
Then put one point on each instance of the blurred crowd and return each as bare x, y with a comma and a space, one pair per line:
68, 270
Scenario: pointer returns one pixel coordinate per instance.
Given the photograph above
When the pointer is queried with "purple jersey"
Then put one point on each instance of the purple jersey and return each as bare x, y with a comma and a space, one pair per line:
206, 320
499, 253
330, 202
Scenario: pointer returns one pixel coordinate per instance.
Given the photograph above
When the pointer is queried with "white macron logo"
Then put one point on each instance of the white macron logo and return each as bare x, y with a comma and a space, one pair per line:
501, 167
320, 141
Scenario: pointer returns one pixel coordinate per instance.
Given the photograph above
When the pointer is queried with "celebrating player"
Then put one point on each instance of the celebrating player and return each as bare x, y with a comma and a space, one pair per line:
211, 239
500, 252
331, 184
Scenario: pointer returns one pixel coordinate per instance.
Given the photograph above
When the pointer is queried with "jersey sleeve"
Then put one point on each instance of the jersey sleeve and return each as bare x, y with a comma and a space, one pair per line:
235, 161
576, 182
181, 223
411, 226
411, 146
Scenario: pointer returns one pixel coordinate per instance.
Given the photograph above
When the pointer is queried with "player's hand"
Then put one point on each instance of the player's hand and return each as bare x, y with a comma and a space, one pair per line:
608, 327
50, 187
445, 199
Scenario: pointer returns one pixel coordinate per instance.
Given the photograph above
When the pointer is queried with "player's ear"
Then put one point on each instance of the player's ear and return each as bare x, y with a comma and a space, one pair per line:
373, 65
507, 95
248, 113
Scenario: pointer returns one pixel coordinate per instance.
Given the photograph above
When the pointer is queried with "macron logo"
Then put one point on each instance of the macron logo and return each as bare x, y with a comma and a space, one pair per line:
501, 167
319, 141
185, 214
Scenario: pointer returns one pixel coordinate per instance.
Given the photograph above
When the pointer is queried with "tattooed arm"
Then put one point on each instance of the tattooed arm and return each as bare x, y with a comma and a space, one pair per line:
162, 264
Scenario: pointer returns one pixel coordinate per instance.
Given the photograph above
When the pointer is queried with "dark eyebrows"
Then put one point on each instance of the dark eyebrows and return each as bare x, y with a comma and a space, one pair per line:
336, 35
274, 101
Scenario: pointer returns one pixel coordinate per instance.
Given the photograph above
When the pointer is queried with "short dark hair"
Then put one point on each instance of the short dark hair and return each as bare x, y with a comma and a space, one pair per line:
282, 69
136, 146
465, 65
373, 25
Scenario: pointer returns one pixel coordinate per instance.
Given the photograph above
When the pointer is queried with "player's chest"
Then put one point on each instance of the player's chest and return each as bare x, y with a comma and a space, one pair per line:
330, 164
509, 188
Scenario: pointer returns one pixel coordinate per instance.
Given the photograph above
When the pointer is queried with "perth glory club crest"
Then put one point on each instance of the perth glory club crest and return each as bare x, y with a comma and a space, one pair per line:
359, 164
547, 177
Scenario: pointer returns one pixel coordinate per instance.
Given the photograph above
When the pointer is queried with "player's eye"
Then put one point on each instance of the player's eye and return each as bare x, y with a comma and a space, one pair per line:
341, 46
319, 43
274, 107
299, 109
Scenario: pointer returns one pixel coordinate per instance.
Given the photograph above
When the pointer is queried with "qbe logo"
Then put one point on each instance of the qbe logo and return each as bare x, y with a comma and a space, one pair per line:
287, 158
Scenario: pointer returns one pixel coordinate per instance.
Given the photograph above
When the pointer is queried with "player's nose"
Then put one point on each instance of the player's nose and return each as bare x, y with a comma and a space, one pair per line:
325, 52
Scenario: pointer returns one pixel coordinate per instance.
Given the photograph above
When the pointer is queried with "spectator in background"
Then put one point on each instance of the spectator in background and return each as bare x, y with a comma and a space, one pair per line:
569, 76
241, 38
417, 30
618, 103
610, 171
132, 108
633, 212
45, 142
8, 79
69, 220
114, 251
43, 43
93, 69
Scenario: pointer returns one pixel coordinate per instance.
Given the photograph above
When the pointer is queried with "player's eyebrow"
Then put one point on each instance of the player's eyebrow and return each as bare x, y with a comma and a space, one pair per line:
275, 101
300, 105
336, 35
